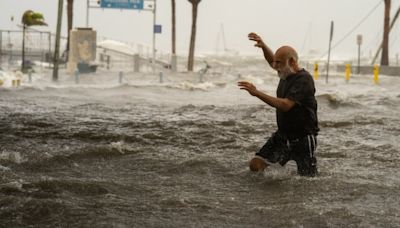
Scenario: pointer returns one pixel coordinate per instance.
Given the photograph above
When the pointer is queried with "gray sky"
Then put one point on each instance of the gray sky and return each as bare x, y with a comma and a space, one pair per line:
303, 24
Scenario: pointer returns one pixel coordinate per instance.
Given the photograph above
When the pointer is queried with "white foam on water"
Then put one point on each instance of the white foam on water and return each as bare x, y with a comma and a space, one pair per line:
253, 79
119, 146
14, 157
17, 184
7, 78
4, 168
194, 86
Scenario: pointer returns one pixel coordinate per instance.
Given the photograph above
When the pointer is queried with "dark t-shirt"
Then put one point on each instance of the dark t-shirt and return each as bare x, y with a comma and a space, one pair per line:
302, 119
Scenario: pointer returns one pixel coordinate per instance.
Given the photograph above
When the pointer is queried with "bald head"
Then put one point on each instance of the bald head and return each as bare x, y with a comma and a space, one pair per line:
285, 61
285, 53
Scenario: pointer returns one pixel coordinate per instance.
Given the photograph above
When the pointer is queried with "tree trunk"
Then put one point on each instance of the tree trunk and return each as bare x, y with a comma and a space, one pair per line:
173, 27
195, 3
23, 48
70, 16
385, 42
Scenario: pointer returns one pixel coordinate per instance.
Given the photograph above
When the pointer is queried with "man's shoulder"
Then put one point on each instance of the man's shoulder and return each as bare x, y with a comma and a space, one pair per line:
301, 75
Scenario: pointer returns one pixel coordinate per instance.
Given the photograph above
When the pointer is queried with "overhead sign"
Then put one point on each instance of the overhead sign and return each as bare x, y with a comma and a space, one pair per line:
359, 39
157, 28
122, 4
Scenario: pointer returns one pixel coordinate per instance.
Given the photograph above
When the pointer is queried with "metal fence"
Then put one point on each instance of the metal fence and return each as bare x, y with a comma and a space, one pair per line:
38, 46
117, 60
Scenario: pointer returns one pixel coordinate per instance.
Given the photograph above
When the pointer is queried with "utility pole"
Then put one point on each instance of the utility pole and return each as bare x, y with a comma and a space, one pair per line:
396, 16
359, 42
57, 47
385, 42
329, 52
173, 54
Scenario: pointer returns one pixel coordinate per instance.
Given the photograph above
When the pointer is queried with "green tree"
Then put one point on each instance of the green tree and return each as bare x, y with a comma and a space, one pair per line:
195, 4
29, 18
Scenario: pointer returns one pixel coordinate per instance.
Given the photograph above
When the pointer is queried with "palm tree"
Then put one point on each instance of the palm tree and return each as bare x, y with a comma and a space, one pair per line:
385, 43
195, 4
29, 18
70, 16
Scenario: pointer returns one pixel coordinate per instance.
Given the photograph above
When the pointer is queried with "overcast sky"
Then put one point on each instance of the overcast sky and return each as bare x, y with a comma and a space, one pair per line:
303, 24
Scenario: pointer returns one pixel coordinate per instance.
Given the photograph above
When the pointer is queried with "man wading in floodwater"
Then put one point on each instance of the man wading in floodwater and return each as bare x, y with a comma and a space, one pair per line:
296, 113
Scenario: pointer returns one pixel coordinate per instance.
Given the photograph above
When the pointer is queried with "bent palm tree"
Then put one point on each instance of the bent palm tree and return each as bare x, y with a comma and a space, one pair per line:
29, 18
195, 3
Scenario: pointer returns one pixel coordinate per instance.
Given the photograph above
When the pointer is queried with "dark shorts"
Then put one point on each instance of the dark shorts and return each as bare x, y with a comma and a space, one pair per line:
280, 150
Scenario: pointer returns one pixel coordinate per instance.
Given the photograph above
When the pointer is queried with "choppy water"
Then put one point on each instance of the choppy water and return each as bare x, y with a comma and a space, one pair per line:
146, 154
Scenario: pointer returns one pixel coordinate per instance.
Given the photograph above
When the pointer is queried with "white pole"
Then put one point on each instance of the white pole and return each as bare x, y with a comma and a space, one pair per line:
87, 13
154, 34
329, 52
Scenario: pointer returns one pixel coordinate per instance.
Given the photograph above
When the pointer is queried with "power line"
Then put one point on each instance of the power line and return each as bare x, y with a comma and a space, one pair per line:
355, 27
396, 33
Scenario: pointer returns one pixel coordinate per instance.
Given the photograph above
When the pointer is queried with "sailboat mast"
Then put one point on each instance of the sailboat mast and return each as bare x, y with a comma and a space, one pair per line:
223, 36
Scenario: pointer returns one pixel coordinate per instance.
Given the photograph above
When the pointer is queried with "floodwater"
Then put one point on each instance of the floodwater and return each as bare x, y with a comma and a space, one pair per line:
175, 154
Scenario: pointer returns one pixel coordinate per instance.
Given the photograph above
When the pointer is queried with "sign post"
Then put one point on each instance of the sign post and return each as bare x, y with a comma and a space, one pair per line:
359, 42
87, 13
122, 4
329, 52
154, 34
151, 5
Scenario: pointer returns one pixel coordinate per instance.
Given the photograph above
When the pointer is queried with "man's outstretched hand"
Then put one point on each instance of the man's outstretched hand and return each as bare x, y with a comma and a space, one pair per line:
248, 86
259, 42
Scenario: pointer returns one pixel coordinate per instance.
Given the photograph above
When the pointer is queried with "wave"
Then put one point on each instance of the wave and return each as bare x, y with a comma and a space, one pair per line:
187, 86
42, 203
78, 187
336, 101
190, 86
66, 157
387, 154
335, 124
11, 157
54, 186
4, 168
112, 150
357, 120
198, 166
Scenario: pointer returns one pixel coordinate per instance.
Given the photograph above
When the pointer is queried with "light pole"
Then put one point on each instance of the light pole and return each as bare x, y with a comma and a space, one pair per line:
87, 13
329, 52
359, 42
154, 34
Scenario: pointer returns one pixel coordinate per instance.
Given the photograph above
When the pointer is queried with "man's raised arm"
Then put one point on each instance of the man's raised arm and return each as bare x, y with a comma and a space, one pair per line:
268, 54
